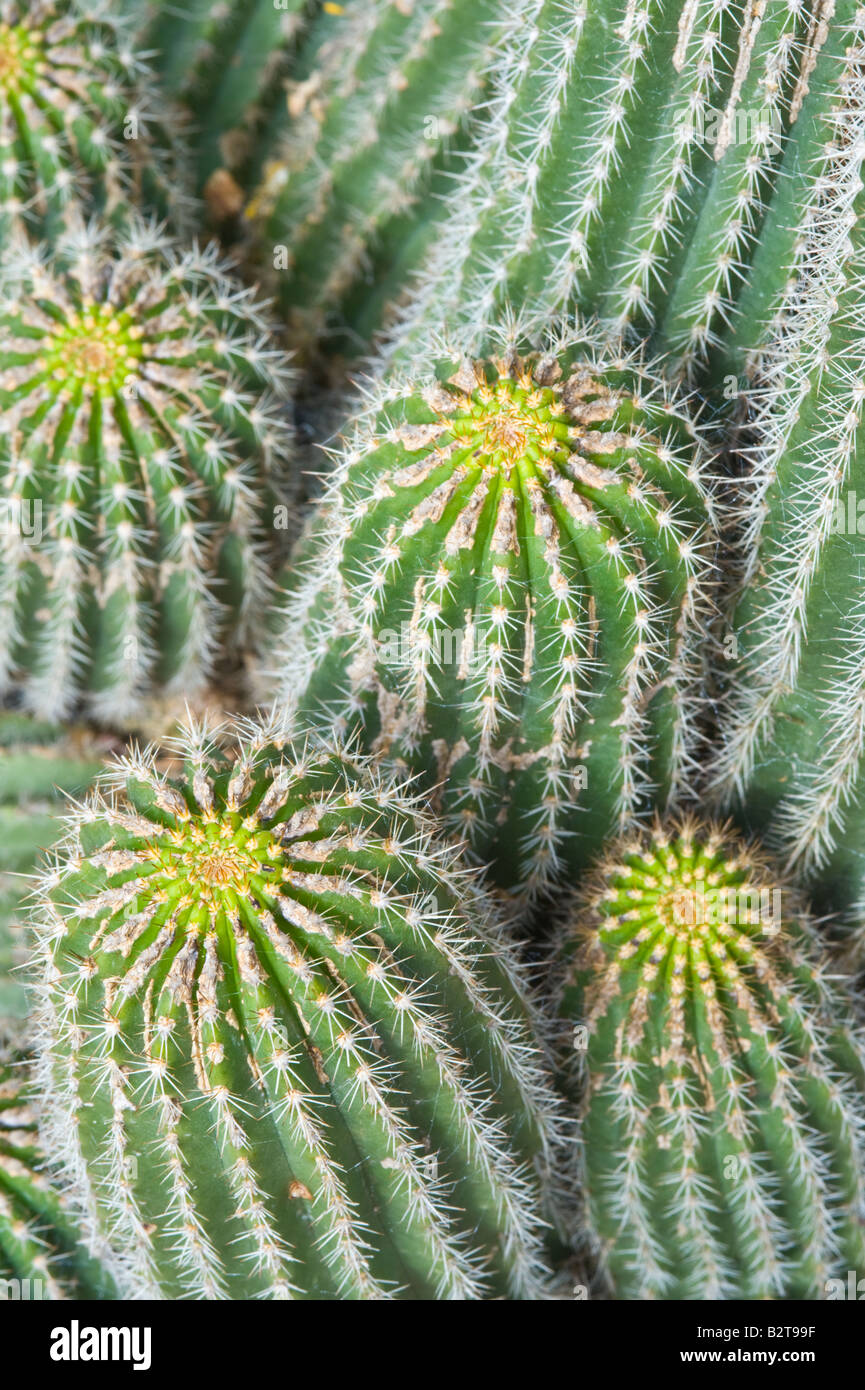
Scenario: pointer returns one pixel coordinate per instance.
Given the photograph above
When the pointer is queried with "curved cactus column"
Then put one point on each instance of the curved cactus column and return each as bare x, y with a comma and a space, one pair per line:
723, 1080
225, 65
141, 448
370, 119
78, 129
41, 1254
629, 168
39, 765
506, 595
792, 728
299, 1061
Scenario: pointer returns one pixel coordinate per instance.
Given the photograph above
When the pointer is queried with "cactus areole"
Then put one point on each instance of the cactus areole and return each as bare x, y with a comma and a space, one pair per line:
724, 1083
283, 1055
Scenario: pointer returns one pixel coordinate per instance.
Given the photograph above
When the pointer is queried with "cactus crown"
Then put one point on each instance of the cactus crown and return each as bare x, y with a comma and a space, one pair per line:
142, 427
515, 551
724, 1099
273, 970
75, 117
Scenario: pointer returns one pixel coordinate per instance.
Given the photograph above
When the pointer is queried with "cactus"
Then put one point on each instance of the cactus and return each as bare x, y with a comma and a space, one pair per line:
38, 765
141, 437
792, 735
77, 128
270, 987
634, 159
224, 64
506, 593
723, 1087
40, 1247
371, 119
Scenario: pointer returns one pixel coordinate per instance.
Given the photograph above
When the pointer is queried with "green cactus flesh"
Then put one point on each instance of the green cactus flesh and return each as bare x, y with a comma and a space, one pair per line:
77, 128
141, 440
792, 733
40, 1251
633, 161
723, 1113
39, 765
225, 65
371, 120
505, 595
283, 1050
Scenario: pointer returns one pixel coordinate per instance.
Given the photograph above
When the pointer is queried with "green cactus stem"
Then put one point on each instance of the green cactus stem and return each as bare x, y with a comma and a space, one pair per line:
723, 1080
792, 734
41, 1255
506, 595
284, 1047
225, 65
635, 159
78, 129
142, 439
369, 122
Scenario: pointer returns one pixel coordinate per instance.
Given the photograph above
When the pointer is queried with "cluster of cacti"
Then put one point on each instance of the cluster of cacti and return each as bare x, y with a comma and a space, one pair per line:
297, 1023
272, 975
41, 1253
40, 764
507, 596
723, 1087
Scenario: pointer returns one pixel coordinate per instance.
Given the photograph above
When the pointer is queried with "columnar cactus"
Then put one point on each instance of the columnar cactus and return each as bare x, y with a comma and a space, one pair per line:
76, 120
506, 594
39, 764
284, 1049
792, 745
224, 64
723, 1094
634, 158
40, 1251
368, 122
140, 437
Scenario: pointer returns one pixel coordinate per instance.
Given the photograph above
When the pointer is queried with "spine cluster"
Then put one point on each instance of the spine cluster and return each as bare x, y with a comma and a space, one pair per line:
505, 594
285, 1052
722, 1078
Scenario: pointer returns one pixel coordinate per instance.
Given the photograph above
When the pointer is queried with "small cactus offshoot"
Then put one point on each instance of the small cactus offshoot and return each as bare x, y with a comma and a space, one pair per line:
284, 1049
506, 593
141, 435
723, 1117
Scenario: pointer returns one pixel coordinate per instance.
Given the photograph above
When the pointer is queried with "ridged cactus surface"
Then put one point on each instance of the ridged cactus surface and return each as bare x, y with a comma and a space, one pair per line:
723, 1113
77, 120
283, 1050
792, 732
225, 65
39, 765
506, 594
634, 159
41, 1256
386, 97
141, 444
